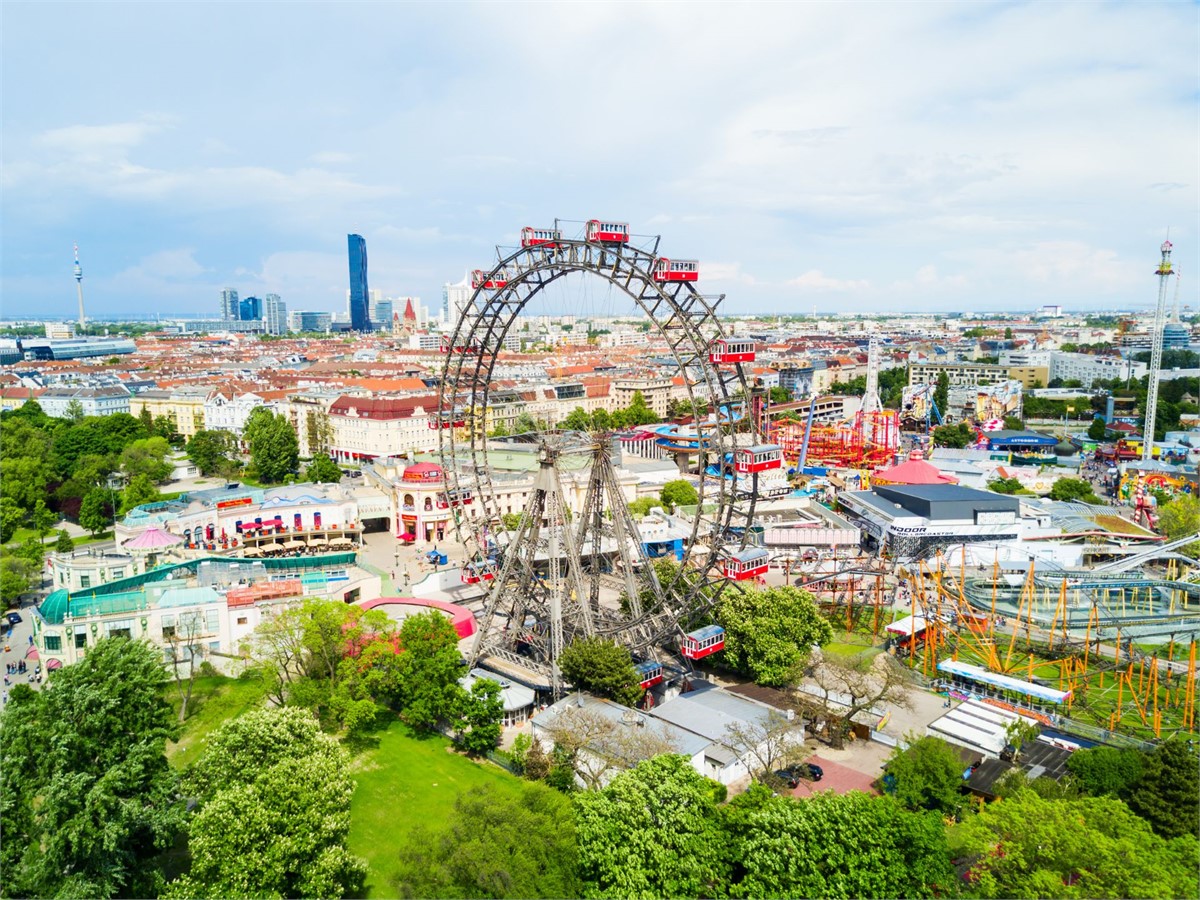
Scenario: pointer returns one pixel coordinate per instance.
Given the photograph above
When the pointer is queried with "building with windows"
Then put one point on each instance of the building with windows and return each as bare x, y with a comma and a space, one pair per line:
184, 406
103, 400
360, 318
230, 308
365, 428
249, 309
274, 314
306, 321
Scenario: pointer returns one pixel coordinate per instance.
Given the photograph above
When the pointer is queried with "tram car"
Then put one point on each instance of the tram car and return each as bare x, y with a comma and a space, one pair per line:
540, 237
488, 281
475, 572
749, 563
598, 232
727, 351
676, 270
650, 673
703, 641
447, 346
759, 458
448, 419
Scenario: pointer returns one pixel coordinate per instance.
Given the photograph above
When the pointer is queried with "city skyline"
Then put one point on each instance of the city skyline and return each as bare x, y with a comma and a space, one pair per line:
926, 158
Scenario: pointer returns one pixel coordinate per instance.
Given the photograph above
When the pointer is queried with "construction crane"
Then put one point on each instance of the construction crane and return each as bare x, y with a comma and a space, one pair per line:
1156, 351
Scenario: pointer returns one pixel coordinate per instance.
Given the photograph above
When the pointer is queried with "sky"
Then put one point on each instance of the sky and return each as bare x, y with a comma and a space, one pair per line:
842, 157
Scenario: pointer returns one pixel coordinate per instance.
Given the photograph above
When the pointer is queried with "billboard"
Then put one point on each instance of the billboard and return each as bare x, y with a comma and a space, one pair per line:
997, 401
915, 401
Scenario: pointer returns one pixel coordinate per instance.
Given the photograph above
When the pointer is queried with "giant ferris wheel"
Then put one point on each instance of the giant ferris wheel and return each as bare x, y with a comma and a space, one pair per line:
561, 575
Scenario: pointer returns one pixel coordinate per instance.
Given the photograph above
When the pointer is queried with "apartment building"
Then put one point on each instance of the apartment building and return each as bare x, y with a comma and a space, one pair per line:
184, 406
365, 428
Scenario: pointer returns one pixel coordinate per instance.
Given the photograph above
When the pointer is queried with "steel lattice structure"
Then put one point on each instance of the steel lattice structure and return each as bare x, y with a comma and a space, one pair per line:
547, 576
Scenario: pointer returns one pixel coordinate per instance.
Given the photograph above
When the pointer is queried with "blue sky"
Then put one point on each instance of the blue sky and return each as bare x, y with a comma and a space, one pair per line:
838, 156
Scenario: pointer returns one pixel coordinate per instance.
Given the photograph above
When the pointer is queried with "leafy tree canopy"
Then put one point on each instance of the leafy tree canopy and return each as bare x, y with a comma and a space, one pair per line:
770, 632
1106, 771
679, 492
1165, 796
1073, 489
323, 470
602, 667
927, 776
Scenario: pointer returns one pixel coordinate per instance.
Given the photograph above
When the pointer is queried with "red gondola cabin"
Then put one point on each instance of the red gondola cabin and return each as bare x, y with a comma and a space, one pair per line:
677, 270
488, 280
750, 563
540, 237
760, 458
447, 346
448, 419
649, 673
607, 232
703, 641
724, 350
475, 572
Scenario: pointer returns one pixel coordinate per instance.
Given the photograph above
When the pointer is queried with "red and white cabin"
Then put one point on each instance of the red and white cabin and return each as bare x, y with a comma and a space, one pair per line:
703, 641
607, 232
724, 350
540, 237
750, 563
649, 673
758, 458
460, 497
447, 346
475, 572
447, 419
488, 281
676, 270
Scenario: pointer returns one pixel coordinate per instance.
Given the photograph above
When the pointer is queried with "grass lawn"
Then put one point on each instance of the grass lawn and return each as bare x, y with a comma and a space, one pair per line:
404, 781
215, 700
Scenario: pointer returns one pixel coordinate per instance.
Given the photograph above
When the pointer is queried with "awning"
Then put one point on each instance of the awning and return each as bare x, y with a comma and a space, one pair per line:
54, 664
293, 545
408, 538
32, 652
252, 551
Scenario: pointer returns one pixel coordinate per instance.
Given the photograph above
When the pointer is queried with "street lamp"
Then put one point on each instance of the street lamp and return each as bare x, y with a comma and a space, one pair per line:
116, 481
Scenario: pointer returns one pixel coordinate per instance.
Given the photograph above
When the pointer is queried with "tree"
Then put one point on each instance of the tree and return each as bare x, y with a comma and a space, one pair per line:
1098, 429
495, 844
595, 746
1106, 771
771, 743
1026, 846
429, 669
577, 420
96, 512
478, 731
1165, 796
274, 449
927, 775
89, 800
853, 686
1006, 486
42, 519
323, 469
211, 452
1073, 489
642, 506
74, 411
64, 544
1020, 732
16, 577
679, 492
140, 490
273, 795
830, 845
770, 633
1180, 518
941, 392
147, 457
603, 667
11, 518
652, 832
185, 651
510, 521
954, 436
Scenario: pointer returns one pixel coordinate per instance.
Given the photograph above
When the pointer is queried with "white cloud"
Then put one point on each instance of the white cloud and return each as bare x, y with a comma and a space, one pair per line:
718, 271
817, 281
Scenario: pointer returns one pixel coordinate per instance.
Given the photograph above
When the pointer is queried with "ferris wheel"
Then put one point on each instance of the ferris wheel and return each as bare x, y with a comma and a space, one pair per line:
580, 569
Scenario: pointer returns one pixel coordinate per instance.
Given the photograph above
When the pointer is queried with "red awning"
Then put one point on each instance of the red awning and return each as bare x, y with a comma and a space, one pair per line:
54, 664
408, 537
32, 652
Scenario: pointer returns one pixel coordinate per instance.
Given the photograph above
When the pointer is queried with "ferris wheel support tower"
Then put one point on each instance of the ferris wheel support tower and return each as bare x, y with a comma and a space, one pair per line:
1156, 351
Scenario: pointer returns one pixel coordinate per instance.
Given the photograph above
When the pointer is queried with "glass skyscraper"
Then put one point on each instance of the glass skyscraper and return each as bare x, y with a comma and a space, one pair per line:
360, 318
229, 304
250, 309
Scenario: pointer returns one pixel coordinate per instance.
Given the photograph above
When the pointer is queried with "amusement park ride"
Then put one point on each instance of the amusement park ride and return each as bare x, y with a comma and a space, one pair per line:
557, 577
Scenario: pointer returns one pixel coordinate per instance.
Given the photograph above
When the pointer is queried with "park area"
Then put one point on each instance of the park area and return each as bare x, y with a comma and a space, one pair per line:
403, 778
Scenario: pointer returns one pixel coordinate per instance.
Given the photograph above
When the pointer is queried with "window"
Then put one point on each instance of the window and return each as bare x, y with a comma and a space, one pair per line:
85, 581
80, 640
211, 623
242, 620
118, 573
53, 642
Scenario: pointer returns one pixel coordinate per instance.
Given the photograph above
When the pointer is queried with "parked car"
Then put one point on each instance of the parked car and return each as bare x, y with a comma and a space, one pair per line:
793, 775
14, 618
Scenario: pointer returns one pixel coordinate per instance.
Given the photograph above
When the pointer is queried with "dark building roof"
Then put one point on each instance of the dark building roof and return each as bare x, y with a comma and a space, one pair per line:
946, 501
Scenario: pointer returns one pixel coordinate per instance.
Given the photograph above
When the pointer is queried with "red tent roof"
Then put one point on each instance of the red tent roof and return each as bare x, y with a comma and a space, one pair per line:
914, 471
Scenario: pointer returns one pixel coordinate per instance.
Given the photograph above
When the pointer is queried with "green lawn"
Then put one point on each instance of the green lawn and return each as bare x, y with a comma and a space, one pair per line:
215, 700
404, 781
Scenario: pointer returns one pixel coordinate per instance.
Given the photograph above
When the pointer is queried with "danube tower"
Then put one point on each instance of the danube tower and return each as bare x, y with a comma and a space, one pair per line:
79, 286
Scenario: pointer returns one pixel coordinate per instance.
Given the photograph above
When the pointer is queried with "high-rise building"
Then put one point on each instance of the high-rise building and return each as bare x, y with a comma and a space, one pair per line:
456, 298
274, 314
302, 320
360, 318
229, 304
381, 315
250, 309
